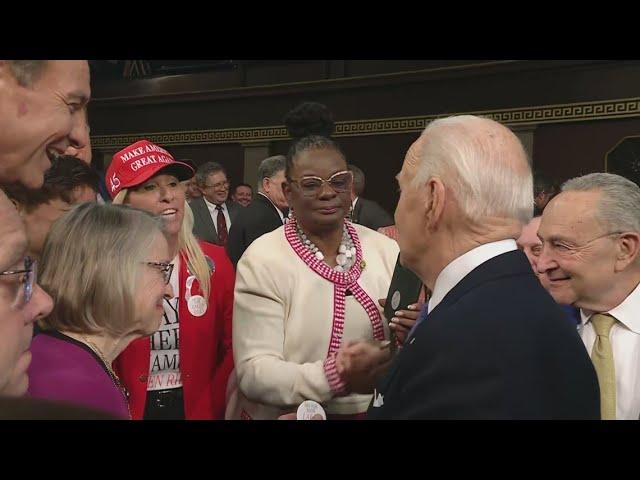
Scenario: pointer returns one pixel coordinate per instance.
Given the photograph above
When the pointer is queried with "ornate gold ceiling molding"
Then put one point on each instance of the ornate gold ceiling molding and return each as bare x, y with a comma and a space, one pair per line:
570, 112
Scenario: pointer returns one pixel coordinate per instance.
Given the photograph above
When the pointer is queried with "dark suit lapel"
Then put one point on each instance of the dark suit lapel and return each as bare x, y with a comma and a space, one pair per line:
507, 264
267, 203
207, 228
233, 209
357, 211
383, 387
504, 265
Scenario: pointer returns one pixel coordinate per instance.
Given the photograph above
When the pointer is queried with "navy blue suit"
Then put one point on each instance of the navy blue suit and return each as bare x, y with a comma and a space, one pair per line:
496, 347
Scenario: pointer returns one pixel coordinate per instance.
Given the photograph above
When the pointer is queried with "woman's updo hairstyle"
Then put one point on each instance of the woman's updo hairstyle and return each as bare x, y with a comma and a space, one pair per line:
310, 126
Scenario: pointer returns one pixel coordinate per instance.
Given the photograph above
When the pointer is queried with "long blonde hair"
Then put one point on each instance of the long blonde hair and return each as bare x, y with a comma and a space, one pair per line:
187, 244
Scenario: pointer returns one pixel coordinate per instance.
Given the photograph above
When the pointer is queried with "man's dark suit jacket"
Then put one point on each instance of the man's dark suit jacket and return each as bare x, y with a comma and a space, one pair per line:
203, 226
370, 214
258, 218
496, 347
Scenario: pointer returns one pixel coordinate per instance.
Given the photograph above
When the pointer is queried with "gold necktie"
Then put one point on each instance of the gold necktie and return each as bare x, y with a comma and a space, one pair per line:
602, 358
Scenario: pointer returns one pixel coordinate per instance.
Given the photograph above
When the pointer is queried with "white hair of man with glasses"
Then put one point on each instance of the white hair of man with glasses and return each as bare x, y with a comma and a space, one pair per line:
590, 258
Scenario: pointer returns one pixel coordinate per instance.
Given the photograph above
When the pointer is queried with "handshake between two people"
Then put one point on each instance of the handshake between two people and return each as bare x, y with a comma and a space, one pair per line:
361, 364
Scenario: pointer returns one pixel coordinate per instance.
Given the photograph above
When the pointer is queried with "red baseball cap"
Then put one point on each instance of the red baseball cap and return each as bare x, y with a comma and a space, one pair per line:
140, 161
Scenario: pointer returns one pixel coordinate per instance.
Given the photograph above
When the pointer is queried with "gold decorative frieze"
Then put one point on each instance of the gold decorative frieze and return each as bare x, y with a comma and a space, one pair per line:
574, 112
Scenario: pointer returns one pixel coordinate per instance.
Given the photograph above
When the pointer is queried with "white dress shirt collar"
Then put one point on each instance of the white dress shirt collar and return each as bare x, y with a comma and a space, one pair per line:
626, 313
212, 206
459, 268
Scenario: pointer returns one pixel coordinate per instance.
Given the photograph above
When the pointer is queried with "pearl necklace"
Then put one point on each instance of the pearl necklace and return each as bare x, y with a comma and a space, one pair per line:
346, 251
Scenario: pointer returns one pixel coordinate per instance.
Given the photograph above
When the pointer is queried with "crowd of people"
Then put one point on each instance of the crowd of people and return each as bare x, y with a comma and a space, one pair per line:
155, 291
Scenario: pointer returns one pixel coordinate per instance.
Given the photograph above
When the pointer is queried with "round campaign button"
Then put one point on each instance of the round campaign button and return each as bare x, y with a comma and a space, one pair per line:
310, 410
395, 300
197, 305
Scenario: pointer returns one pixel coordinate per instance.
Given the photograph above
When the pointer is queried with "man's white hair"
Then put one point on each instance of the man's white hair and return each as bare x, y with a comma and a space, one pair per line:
483, 163
619, 206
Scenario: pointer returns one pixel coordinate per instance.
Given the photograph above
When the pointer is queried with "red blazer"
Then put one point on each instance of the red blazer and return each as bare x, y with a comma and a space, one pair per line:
206, 359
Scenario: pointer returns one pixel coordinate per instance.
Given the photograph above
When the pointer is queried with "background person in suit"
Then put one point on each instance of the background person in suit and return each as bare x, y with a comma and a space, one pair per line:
366, 212
544, 189
243, 194
213, 212
265, 213
494, 345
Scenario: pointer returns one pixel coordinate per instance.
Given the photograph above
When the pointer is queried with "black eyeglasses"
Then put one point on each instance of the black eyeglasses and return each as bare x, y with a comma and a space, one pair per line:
165, 268
340, 182
29, 279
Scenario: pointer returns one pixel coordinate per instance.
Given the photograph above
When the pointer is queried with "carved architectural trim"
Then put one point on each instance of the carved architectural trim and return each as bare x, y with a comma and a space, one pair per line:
514, 117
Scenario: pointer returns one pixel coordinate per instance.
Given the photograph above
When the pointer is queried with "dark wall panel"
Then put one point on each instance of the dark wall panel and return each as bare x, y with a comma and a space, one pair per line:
561, 150
285, 72
567, 150
477, 92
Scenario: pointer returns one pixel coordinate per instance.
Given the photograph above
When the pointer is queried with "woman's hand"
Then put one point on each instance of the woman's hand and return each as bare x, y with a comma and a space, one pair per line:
404, 320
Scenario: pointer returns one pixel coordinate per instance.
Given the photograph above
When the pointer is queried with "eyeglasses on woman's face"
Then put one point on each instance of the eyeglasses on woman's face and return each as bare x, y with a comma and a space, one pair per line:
165, 268
310, 185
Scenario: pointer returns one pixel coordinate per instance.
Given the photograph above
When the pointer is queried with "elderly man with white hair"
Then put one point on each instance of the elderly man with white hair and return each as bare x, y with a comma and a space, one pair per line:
494, 344
590, 238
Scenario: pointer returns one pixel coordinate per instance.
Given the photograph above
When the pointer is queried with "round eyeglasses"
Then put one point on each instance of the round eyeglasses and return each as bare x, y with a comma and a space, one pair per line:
310, 186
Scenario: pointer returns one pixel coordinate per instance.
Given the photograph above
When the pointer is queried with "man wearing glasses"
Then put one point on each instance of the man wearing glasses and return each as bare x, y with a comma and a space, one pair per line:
590, 237
22, 301
213, 213
531, 245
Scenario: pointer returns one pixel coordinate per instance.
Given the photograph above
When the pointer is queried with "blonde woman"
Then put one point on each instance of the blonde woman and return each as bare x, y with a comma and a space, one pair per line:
182, 371
106, 269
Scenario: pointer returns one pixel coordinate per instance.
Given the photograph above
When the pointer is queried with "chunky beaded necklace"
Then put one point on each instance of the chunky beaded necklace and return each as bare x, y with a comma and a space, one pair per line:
346, 251
343, 281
